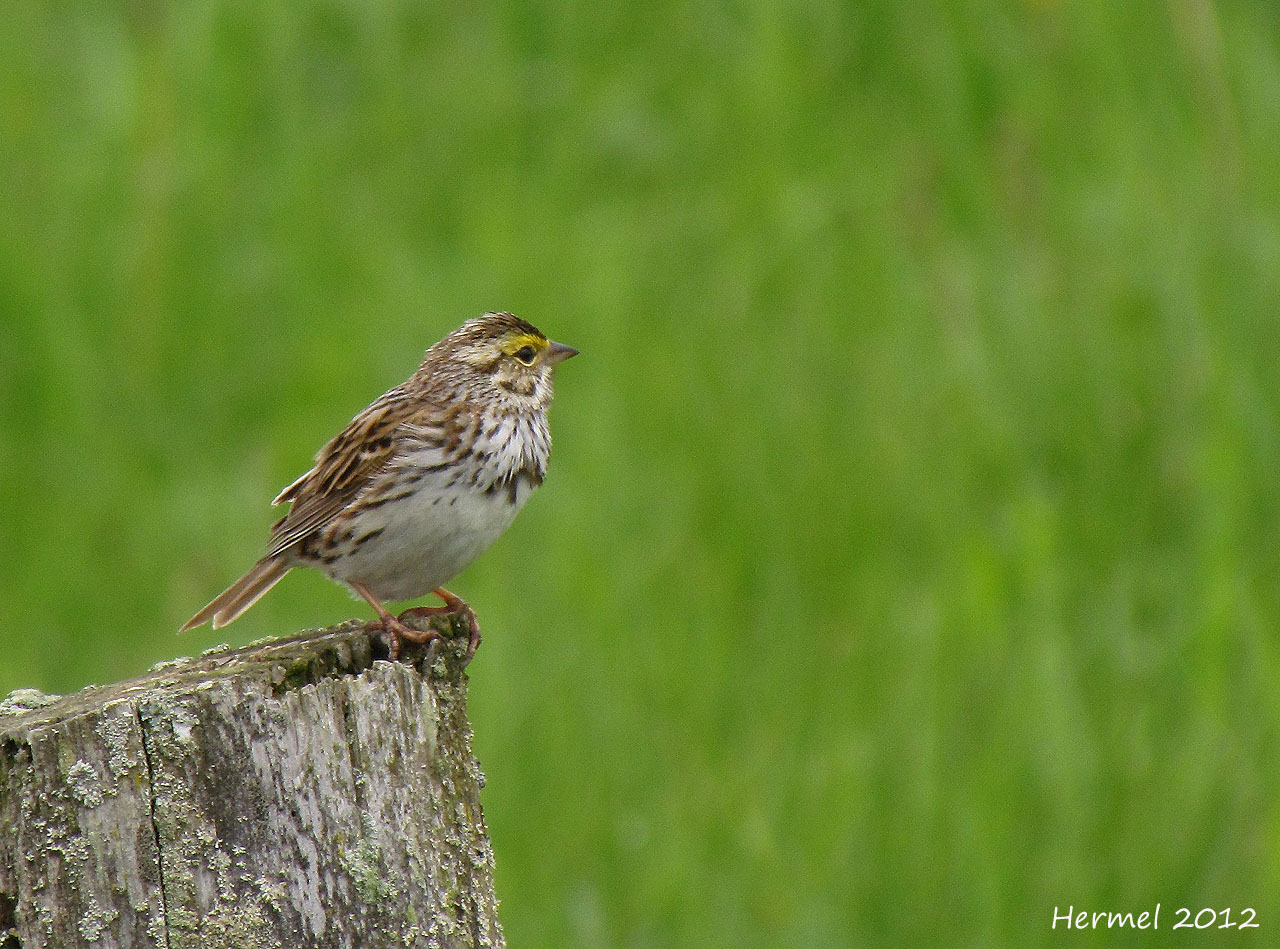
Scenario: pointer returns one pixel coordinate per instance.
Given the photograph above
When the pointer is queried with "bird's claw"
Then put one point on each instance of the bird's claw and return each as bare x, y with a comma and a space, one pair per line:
396, 630
453, 606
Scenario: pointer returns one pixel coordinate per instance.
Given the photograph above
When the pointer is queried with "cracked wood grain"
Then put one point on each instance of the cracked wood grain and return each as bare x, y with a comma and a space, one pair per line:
299, 792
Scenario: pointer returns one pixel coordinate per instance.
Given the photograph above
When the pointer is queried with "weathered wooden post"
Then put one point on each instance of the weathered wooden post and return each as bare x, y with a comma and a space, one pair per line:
294, 793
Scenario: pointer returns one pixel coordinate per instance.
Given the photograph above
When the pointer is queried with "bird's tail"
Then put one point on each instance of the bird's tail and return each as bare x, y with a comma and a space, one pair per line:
241, 595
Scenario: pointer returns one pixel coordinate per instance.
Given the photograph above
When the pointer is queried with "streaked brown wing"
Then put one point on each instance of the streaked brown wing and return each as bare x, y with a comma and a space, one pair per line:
344, 468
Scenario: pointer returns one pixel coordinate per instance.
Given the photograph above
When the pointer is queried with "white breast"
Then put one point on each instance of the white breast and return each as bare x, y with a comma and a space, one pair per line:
426, 540
453, 515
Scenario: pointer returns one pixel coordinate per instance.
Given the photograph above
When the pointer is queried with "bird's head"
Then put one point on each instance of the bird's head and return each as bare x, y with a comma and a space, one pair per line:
504, 351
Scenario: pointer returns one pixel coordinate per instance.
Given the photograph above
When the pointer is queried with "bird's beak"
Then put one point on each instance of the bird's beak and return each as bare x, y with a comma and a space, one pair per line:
558, 352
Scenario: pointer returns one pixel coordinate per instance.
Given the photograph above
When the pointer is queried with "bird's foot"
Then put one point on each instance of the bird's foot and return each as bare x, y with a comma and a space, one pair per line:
394, 627
396, 631
453, 606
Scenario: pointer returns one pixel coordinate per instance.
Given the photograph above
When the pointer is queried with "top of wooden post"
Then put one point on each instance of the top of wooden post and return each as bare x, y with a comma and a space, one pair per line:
297, 791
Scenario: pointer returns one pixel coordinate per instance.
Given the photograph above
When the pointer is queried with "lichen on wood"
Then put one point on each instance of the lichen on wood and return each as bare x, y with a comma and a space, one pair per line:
297, 792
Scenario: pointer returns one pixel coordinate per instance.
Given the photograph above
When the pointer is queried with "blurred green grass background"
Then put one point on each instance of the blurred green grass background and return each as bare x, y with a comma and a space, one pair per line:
908, 563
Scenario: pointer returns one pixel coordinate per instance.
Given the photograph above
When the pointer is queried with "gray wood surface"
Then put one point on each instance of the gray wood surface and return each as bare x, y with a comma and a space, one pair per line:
297, 792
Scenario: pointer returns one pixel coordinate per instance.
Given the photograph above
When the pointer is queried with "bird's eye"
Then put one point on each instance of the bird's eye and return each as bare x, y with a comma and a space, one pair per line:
526, 354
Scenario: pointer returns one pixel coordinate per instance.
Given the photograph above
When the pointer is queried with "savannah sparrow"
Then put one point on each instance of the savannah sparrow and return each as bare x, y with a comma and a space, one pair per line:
421, 482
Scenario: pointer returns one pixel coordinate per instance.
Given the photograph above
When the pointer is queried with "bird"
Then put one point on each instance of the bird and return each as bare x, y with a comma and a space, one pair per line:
420, 483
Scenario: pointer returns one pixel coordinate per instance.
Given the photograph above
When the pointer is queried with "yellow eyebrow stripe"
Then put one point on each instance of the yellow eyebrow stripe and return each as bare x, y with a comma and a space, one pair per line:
517, 343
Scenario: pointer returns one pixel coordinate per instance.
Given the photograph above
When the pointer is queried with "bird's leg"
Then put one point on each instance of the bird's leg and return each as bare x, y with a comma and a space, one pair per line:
395, 629
456, 605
